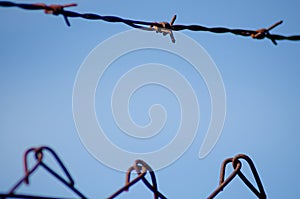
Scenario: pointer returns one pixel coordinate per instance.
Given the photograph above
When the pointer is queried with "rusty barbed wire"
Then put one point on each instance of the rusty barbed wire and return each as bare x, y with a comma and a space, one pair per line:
165, 28
237, 165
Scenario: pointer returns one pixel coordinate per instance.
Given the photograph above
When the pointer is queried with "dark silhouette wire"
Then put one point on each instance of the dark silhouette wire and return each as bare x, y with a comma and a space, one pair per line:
141, 168
237, 165
161, 27
39, 155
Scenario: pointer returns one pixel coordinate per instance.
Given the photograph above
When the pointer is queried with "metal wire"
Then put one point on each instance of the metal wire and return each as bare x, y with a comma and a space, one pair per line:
128, 182
237, 165
141, 168
39, 154
165, 28
223, 183
3, 196
259, 193
27, 171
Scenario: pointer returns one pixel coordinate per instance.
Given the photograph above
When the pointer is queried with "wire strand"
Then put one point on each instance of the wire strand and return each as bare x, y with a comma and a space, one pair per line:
160, 27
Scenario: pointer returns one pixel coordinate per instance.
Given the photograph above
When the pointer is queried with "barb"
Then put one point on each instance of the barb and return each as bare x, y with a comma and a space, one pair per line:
141, 169
237, 165
160, 27
165, 29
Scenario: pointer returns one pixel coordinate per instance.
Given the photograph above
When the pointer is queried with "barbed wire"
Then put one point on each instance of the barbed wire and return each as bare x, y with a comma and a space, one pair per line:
166, 28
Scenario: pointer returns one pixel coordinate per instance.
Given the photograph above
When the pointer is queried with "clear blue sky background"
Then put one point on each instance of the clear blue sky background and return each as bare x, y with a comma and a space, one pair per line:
40, 57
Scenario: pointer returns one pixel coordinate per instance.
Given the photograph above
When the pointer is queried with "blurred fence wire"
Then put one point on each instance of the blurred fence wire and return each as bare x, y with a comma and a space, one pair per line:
165, 28
237, 165
140, 167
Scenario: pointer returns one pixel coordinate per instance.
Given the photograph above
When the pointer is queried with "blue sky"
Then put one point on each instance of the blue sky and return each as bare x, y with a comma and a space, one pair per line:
40, 57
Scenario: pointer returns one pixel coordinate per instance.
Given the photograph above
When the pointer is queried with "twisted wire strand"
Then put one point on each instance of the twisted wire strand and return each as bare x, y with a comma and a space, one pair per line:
159, 27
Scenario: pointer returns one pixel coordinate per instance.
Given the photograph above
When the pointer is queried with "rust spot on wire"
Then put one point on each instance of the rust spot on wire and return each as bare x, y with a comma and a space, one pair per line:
29, 171
162, 27
57, 10
263, 33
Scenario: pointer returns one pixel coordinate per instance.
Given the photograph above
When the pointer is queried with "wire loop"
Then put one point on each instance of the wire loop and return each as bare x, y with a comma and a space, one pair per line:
237, 165
141, 168
39, 155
